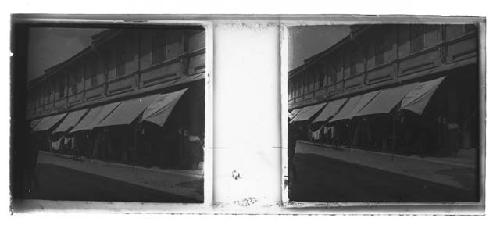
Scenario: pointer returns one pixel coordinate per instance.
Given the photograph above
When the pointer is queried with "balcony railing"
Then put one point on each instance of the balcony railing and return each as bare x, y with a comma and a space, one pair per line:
163, 74
123, 84
95, 92
445, 52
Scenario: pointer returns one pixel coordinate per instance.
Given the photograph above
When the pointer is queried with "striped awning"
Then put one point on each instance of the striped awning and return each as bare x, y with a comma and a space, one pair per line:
307, 112
34, 123
330, 110
70, 121
127, 111
49, 122
354, 105
417, 99
94, 117
161, 108
386, 100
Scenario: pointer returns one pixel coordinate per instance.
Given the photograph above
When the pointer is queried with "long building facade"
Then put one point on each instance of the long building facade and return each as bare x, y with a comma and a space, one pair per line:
405, 88
133, 96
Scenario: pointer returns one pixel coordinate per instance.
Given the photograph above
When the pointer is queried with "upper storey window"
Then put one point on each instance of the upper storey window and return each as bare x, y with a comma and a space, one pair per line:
107, 60
352, 65
355, 61
92, 73
61, 89
381, 47
159, 49
74, 86
417, 33
120, 62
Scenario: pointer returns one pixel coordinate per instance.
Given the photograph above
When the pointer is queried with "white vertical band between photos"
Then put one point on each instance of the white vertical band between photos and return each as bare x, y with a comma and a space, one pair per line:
246, 113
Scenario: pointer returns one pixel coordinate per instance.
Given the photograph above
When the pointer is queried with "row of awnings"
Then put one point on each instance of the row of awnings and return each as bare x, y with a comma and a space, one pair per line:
48, 122
307, 112
413, 97
154, 109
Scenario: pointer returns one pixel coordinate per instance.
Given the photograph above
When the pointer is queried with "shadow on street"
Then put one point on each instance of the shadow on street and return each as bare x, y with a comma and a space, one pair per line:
320, 179
59, 183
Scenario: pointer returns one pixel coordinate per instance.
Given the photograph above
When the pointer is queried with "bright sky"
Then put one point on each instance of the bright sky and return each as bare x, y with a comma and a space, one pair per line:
306, 41
49, 46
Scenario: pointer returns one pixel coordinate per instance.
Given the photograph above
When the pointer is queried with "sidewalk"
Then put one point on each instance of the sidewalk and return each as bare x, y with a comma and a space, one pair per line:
187, 183
441, 171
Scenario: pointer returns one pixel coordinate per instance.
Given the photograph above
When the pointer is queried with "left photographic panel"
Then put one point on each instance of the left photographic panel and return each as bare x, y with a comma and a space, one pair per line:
108, 112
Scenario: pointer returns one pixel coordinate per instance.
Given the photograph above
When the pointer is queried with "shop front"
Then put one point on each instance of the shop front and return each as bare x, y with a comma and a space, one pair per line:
435, 117
165, 130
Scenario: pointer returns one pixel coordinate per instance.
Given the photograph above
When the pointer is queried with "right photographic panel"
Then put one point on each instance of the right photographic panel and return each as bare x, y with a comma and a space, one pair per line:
384, 113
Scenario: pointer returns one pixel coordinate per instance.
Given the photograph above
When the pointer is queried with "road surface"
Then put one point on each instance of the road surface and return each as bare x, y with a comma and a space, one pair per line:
60, 183
322, 179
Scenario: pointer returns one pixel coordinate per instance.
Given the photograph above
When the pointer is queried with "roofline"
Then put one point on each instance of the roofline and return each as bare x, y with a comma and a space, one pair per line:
317, 57
97, 40
85, 51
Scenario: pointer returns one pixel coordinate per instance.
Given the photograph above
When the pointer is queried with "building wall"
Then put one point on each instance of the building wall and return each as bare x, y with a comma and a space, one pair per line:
380, 55
117, 66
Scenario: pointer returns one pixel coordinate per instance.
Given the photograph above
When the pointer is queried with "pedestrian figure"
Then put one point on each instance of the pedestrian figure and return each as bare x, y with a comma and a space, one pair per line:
195, 151
182, 137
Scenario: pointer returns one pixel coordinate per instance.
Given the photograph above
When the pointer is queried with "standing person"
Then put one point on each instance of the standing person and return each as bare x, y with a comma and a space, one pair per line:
195, 151
181, 139
333, 135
